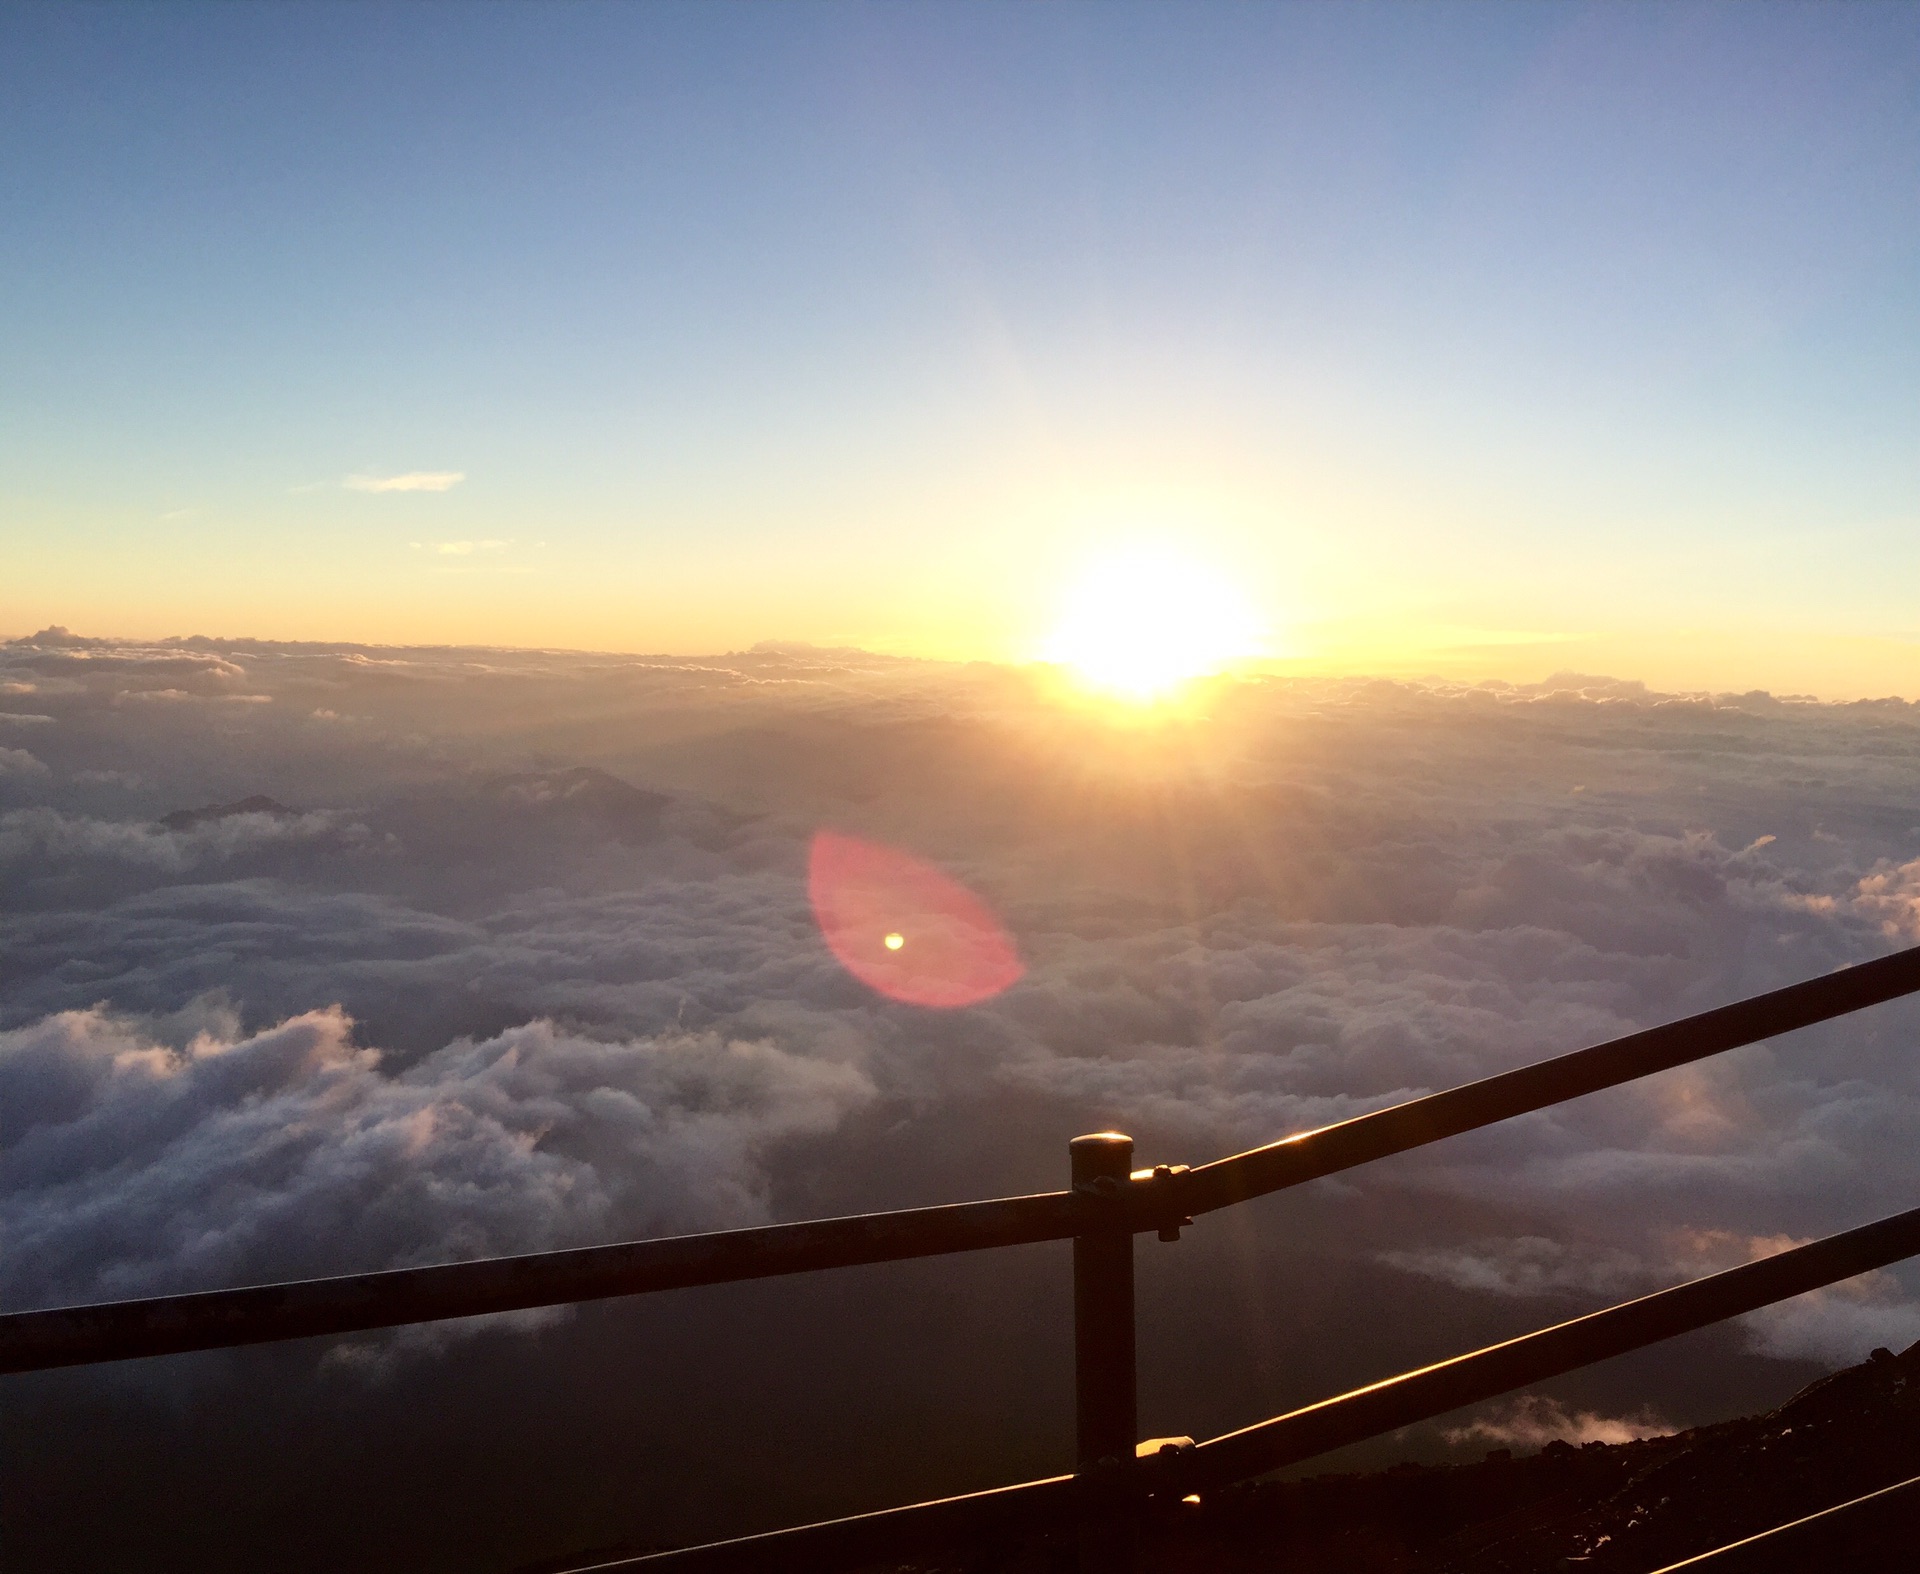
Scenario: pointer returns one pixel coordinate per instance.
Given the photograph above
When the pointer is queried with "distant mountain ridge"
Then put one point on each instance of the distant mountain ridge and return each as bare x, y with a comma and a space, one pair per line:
582, 794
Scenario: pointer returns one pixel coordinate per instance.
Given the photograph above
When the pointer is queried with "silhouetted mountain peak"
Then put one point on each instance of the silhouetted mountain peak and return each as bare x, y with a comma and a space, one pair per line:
582, 793
57, 636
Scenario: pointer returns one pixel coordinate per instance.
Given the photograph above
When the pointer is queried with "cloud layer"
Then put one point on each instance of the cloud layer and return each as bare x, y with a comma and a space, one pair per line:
515, 950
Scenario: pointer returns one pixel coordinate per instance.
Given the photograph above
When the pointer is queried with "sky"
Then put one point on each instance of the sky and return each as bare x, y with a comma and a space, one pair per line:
1480, 341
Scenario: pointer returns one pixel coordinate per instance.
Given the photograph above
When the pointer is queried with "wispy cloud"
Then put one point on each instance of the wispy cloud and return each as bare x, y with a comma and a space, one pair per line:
18, 763
1522, 1268
1533, 1421
459, 548
412, 481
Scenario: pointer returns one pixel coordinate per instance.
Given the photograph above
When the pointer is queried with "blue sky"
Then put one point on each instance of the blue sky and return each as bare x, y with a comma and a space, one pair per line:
1486, 338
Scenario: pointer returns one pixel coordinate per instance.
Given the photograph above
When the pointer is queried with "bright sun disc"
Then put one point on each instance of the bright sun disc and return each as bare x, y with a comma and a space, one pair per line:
1140, 624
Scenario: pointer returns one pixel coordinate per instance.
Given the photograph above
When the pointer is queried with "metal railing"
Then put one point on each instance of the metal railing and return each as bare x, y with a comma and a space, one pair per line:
1106, 1205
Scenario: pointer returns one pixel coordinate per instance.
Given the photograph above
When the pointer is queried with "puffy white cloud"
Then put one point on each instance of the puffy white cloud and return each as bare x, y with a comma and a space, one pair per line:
1890, 894
132, 1163
1533, 1421
1835, 1325
1526, 1266
46, 835
21, 764
1839, 1325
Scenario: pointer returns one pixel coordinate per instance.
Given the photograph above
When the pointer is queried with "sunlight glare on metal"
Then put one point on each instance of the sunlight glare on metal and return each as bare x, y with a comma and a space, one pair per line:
867, 898
1141, 623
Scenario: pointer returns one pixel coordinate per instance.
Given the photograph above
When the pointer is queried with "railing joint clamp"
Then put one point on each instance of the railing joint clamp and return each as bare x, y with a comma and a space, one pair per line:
1158, 1179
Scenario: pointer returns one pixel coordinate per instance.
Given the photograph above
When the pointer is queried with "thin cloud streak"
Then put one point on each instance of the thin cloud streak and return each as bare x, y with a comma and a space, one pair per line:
411, 481
459, 548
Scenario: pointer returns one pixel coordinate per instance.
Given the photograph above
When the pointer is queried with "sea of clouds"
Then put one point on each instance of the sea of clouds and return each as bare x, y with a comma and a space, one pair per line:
496, 951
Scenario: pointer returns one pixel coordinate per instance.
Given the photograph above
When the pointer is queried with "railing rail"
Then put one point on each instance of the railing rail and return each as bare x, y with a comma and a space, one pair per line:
1107, 1205
353, 1303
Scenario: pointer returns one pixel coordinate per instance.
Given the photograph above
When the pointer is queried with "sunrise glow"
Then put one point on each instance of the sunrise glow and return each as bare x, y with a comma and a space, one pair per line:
1140, 624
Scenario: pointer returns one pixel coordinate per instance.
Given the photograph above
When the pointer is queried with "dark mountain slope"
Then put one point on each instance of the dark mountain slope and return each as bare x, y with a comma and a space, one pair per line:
1608, 1509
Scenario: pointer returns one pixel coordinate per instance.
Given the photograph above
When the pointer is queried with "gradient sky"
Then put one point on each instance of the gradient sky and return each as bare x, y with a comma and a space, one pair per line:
1484, 340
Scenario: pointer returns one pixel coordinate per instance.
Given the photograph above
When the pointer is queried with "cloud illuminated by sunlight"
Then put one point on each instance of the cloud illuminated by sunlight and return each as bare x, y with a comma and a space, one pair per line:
412, 481
459, 548
1142, 622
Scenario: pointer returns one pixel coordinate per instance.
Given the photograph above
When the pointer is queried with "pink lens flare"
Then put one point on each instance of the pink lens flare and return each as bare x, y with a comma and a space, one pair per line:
902, 927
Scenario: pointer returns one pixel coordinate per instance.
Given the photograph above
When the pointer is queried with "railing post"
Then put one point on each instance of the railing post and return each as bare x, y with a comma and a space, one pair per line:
1106, 1423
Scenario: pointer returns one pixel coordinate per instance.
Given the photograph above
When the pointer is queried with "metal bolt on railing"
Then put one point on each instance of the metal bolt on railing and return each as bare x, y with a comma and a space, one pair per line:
1160, 1181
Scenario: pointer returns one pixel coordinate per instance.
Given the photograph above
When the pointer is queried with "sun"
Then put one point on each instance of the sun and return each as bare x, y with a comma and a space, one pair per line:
1139, 624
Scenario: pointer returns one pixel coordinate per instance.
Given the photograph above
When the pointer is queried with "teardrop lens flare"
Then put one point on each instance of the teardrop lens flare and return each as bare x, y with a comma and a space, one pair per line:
904, 928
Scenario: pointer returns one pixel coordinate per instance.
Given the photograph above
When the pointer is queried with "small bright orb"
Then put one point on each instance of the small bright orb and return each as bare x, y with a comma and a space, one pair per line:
896, 941
1141, 623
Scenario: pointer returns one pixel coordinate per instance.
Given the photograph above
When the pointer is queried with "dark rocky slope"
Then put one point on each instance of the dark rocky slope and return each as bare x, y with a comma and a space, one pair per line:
1606, 1509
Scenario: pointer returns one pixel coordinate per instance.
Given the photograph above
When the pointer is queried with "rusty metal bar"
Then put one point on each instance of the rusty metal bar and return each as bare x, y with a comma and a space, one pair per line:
120, 1330
1817, 1540
1300, 1435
